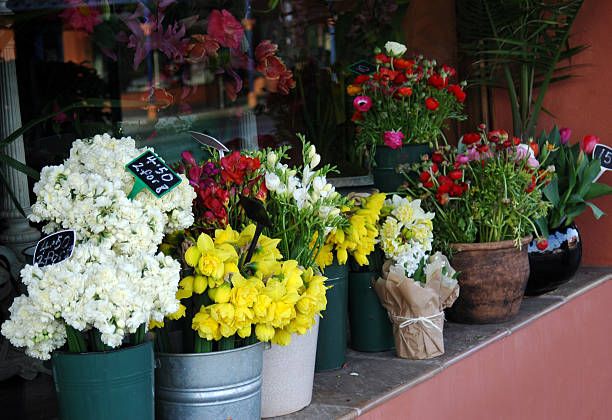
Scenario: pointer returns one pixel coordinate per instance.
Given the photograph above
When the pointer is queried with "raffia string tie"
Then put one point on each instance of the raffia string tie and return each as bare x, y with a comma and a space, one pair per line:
425, 320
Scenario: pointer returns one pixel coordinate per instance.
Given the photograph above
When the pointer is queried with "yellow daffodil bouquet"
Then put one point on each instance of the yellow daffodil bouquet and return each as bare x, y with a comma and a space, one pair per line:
229, 303
357, 237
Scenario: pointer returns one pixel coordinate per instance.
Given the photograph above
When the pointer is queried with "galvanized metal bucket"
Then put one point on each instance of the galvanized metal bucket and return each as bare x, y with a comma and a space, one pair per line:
218, 385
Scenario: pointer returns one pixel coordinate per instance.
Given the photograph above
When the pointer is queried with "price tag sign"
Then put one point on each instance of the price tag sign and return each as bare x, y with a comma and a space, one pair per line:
152, 173
54, 248
362, 67
604, 153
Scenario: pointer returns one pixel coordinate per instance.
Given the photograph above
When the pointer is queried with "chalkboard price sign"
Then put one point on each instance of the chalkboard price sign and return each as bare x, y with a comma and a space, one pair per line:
152, 173
54, 248
604, 153
362, 67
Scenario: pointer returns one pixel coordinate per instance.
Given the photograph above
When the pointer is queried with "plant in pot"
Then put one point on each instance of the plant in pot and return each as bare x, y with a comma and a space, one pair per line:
400, 110
555, 260
89, 312
414, 286
486, 196
355, 237
304, 208
236, 293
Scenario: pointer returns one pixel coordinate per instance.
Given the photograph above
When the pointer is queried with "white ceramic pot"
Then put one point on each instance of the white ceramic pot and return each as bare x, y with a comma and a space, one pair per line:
288, 374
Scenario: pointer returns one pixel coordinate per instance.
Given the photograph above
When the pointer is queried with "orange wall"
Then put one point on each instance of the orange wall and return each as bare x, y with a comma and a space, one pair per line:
584, 104
557, 367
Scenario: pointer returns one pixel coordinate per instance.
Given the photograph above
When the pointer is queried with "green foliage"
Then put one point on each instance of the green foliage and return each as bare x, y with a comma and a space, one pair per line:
519, 45
572, 187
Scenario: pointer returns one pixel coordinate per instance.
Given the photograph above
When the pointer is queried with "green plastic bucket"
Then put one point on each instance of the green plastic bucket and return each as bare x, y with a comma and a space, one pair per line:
111, 385
371, 329
331, 347
386, 178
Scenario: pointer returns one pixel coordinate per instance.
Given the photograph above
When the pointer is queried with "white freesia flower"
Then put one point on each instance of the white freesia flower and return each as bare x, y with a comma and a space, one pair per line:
271, 159
272, 181
316, 159
312, 151
395, 49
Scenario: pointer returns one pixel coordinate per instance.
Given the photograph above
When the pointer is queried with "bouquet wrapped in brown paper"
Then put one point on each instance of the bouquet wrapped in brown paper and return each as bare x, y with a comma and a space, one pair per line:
416, 309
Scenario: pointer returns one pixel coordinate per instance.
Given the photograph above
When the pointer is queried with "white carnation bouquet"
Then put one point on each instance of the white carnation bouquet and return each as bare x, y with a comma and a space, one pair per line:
406, 234
115, 282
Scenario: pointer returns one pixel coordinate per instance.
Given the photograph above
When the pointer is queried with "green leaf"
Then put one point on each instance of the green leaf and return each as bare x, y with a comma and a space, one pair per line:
588, 176
597, 212
542, 224
597, 190
19, 166
551, 191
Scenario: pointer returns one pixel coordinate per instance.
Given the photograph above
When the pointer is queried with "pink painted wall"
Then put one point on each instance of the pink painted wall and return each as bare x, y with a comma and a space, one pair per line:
558, 367
584, 104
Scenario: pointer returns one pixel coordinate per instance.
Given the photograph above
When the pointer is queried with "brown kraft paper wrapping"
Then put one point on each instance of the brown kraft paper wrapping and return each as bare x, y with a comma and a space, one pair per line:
416, 310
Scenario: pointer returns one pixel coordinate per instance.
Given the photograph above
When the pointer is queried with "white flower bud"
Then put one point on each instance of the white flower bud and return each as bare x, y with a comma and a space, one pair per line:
395, 48
271, 159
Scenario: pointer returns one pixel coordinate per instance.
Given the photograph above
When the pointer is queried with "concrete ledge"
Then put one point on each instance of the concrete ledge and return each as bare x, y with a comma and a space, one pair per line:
383, 379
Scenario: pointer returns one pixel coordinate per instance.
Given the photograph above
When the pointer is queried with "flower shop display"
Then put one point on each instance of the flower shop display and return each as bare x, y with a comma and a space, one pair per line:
232, 303
304, 208
400, 110
415, 286
486, 196
556, 259
99, 301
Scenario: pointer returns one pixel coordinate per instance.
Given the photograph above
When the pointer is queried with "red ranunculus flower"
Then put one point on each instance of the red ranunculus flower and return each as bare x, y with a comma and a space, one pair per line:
400, 78
434, 168
436, 81
362, 78
425, 176
357, 116
400, 63
483, 148
437, 157
470, 138
381, 58
404, 91
516, 141
428, 184
224, 28
431, 103
388, 74
456, 174
456, 190
530, 187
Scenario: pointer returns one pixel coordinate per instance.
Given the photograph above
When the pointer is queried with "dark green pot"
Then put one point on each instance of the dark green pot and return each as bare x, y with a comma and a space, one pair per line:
371, 329
386, 178
331, 347
101, 386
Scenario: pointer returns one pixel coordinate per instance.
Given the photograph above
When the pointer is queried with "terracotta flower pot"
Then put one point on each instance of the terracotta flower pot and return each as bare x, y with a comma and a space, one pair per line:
492, 280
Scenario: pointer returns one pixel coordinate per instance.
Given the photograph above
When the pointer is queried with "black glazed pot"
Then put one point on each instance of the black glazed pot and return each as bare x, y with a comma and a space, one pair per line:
551, 268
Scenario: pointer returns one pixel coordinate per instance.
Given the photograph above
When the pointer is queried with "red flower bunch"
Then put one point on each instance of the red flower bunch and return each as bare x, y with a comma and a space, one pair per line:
414, 97
218, 183
487, 189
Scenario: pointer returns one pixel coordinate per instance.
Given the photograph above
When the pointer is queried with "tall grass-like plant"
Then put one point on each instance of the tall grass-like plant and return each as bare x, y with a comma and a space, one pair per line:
519, 45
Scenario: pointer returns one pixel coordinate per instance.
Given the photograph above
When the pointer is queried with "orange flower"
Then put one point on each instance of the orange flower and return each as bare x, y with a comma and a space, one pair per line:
353, 90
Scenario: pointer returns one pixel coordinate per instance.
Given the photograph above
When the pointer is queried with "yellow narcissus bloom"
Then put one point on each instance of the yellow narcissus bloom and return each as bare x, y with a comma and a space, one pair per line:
224, 313
293, 275
220, 294
227, 235
185, 288
209, 259
179, 313
206, 326
281, 337
325, 256
264, 332
199, 284
155, 324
